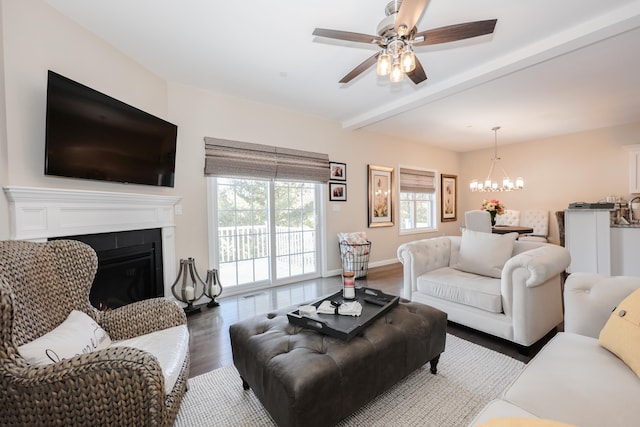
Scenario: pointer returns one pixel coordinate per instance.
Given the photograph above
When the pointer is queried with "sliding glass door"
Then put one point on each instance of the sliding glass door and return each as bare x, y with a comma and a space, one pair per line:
265, 232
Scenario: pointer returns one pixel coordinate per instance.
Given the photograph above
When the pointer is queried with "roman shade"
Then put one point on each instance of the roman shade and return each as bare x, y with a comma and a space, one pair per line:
226, 158
417, 181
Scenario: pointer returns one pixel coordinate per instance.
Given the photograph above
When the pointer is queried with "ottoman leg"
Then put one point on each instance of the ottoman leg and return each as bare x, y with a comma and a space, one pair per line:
434, 364
245, 385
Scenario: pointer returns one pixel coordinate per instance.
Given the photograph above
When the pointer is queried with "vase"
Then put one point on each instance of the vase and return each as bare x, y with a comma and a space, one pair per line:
493, 218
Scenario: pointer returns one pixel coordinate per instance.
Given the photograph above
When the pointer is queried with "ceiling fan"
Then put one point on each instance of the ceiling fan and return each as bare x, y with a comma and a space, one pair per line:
398, 35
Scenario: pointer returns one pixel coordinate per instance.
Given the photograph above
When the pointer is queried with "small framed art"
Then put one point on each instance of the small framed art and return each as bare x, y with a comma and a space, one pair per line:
338, 171
337, 192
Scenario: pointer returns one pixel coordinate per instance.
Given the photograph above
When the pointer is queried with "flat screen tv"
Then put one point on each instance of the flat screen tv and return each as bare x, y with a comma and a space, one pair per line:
94, 136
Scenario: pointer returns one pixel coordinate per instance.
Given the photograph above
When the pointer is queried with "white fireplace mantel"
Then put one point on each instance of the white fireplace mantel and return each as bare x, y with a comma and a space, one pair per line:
37, 214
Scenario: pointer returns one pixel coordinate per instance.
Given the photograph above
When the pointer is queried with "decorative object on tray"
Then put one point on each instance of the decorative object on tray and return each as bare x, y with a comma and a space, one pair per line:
448, 197
494, 207
348, 285
352, 308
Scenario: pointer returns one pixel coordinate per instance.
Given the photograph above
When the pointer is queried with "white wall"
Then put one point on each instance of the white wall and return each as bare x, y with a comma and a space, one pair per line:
38, 38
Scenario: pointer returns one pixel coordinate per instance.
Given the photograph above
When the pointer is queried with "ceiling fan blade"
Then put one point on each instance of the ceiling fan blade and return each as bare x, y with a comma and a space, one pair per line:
409, 13
346, 35
455, 32
417, 75
362, 67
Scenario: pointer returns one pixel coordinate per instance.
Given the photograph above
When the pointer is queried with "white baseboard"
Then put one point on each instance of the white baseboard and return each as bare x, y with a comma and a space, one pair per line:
382, 263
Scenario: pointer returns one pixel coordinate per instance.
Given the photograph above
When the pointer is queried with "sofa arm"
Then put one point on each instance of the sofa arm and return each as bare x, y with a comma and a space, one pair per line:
421, 256
590, 298
541, 263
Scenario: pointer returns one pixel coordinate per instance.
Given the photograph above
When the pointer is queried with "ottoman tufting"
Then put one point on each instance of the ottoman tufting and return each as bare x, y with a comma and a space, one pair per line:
305, 378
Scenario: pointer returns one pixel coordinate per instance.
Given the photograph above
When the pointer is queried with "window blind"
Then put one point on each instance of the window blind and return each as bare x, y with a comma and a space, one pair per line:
226, 158
417, 181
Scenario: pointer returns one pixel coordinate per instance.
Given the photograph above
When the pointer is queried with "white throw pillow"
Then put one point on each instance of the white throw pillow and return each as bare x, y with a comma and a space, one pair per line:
78, 334
484, 253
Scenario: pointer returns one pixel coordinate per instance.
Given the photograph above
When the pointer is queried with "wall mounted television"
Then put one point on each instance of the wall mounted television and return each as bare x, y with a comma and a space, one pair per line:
91, 135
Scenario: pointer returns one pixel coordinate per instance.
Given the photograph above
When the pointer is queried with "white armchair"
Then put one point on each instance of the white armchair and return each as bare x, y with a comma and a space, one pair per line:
522, 305
478, 220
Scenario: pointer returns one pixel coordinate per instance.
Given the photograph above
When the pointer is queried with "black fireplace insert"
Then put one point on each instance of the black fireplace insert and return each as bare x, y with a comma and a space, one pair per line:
129, 266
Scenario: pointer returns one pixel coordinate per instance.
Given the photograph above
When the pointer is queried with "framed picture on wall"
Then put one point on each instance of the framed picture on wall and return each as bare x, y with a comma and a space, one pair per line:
337, 192
380, 196
338, 171
448, 197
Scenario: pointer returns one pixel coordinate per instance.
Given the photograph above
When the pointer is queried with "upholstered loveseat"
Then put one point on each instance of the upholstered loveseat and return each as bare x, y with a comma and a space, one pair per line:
574, 379
517, 298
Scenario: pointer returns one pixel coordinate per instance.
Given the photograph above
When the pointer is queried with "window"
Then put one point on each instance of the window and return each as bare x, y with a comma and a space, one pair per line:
265, 231
417, 200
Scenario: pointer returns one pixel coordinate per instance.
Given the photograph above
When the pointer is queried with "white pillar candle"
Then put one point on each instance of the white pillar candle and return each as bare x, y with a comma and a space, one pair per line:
189, 293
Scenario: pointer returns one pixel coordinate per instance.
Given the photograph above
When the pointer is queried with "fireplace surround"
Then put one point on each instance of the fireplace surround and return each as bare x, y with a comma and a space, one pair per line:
40, 214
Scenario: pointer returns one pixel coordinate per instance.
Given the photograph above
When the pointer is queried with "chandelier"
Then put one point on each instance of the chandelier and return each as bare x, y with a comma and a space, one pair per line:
396, 57
492, 185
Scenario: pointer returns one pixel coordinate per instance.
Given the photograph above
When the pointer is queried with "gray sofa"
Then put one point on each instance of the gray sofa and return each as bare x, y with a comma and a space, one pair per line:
573, 379
522, 304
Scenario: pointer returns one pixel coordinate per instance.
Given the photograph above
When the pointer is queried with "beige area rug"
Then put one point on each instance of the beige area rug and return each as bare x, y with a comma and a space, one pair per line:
469, 376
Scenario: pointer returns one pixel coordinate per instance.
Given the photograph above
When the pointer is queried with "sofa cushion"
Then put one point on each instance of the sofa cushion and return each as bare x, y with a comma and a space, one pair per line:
621, 333
575, 380
484, 253
77, 334
169, 346
461, 287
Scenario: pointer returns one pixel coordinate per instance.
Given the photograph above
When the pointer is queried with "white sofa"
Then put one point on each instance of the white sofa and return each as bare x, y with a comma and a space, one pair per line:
573, 379
522, 305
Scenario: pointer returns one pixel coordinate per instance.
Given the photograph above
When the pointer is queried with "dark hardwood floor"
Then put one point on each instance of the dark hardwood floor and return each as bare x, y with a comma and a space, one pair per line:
209, 343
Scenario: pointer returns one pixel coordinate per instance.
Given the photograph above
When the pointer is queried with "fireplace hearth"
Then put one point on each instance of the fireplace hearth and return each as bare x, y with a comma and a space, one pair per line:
129, 266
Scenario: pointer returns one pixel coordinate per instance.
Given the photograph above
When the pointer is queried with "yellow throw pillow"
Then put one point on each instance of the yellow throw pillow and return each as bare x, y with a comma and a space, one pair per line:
523, 422
621, 333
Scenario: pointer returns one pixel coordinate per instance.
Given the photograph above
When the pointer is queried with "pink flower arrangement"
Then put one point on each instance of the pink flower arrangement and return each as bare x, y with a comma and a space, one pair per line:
493, 206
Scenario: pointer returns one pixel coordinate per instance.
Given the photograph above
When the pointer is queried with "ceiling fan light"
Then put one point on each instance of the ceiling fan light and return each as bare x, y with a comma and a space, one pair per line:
383, 66
408, 60
396, 72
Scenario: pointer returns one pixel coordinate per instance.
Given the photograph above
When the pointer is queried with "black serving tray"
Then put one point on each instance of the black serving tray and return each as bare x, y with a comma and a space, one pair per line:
346, 327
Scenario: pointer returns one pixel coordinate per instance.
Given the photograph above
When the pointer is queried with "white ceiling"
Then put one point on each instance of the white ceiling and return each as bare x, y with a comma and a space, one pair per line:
550, 68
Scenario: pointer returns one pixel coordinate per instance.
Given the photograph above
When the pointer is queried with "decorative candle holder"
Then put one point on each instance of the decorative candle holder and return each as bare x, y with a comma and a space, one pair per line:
213, 287
348, 285
187, 292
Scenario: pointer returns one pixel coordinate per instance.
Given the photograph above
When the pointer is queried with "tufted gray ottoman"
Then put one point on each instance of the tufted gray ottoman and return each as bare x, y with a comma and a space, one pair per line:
305, 378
